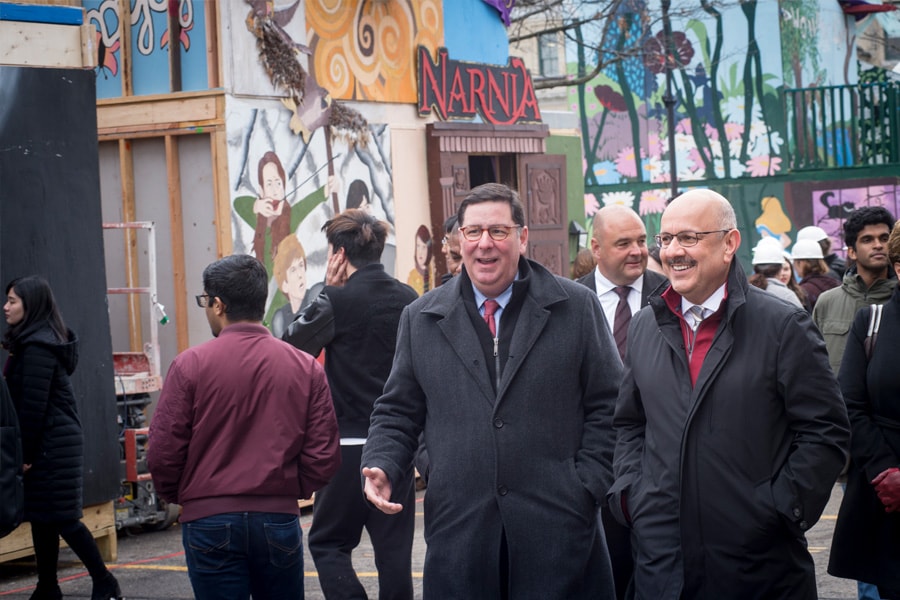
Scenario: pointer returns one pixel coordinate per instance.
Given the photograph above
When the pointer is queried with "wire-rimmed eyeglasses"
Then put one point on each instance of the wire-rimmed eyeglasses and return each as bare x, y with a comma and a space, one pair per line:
686, 239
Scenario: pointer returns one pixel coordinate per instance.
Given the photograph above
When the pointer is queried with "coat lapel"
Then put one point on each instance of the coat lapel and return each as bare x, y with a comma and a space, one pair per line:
456, 327
529, 326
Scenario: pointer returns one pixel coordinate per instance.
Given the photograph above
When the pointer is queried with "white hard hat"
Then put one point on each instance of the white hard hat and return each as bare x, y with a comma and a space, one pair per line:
811, 233
768, 251
808, 249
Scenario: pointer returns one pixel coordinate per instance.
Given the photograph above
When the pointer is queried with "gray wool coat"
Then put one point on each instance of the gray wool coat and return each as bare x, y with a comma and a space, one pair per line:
532, 461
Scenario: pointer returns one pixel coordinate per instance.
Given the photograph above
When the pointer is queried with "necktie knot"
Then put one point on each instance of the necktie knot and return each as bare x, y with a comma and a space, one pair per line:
622, 291
490, 307
698, 313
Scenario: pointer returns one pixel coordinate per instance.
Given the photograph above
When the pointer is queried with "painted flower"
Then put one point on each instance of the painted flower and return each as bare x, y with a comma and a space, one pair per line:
760, 166
625, 161
733, 131
759, 144
655, 170
653, 202
610, 98
620, 198
654, 144
734, 110
605, 173
654, 52
684, 126
591, 205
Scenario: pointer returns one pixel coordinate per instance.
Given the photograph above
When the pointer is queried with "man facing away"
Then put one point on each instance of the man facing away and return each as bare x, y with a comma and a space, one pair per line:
868, 281
355, 319
731, 427
510, 373
624, 285
243, 429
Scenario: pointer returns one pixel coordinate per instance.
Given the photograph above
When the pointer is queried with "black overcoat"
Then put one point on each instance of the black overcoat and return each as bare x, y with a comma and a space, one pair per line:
37, 374
722, 479
866, 544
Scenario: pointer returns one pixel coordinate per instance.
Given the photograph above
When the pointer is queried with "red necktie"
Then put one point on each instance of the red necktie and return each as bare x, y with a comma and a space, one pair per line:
622, 319
490, 307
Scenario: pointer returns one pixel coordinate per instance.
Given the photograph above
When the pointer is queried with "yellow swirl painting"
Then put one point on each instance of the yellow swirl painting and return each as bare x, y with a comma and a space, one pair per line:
365, 49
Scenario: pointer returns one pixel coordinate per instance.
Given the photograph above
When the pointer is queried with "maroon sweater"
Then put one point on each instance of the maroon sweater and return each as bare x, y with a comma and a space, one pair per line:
244, 423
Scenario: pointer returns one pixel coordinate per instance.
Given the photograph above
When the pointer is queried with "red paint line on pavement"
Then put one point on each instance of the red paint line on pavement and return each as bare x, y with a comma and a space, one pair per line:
110, 567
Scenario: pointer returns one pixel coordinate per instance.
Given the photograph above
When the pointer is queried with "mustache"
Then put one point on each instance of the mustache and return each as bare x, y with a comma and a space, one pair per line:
683, 261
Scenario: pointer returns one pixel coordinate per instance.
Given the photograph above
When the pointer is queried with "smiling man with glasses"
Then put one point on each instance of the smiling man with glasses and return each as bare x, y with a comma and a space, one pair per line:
731, 427
512, 376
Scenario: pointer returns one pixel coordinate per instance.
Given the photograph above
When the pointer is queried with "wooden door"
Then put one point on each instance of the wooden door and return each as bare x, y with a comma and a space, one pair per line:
542, 189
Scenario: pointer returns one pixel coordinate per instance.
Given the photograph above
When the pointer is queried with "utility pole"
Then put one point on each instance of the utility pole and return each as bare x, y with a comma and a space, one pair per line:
669, 99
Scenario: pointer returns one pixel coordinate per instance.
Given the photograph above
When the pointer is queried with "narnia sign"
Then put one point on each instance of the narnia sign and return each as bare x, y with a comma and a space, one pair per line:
460, 90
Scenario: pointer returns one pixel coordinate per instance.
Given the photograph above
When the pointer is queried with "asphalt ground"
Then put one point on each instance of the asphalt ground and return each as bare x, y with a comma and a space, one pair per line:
151, 565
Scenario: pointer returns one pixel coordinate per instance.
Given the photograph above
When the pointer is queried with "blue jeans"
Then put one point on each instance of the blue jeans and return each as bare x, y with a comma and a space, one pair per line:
235, 555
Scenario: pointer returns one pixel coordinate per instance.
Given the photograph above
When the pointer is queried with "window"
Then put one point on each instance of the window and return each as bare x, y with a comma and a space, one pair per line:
548, 53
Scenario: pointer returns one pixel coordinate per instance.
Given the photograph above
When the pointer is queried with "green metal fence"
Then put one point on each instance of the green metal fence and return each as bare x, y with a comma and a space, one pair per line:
843, 125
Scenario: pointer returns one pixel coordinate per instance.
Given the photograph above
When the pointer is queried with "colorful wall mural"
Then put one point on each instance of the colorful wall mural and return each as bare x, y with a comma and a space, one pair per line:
149, 45
731, 62
363, 50
284, 189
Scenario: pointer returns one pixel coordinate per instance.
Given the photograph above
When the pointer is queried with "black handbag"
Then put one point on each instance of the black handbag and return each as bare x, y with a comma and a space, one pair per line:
12, 486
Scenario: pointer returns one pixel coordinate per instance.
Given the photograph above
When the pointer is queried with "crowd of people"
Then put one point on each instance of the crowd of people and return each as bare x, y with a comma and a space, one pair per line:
637, 432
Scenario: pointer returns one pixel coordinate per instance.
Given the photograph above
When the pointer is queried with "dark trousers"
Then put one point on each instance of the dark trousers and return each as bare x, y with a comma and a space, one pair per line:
339, 514
618, 542
45, 537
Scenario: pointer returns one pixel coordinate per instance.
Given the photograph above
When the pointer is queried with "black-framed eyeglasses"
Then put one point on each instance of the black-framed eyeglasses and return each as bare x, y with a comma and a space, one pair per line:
498, 233
686, 239
202, 300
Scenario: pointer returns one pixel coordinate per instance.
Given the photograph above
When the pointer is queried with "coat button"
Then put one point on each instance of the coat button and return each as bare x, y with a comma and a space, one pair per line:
797, 512
498, 423
804, 525
502, 490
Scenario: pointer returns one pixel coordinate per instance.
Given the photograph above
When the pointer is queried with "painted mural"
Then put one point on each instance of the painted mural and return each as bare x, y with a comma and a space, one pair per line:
728, 75
150, 45
284, 188
832, 205
361, 49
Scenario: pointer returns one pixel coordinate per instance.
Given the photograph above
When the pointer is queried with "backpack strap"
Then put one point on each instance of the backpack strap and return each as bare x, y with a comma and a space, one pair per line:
872, 332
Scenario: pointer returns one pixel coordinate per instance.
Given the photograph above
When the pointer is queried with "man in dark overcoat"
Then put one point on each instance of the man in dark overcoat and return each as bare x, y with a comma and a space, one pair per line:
731, 428
512, 376
624, 286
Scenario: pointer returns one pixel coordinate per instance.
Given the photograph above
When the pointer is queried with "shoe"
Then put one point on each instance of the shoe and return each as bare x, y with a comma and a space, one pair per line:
47, 592
107, 588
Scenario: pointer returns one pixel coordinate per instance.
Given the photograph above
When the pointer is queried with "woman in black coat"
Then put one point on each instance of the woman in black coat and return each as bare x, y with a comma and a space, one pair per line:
42, 355
865, 545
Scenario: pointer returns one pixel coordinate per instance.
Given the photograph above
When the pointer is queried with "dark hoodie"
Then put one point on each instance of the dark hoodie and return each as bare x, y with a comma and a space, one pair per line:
37, 373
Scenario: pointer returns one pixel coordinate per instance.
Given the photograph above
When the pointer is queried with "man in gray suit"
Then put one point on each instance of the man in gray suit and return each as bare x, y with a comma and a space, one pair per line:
623, 284
513, 378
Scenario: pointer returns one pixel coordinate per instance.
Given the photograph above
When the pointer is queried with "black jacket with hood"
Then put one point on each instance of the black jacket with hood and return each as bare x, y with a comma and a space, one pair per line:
37, 373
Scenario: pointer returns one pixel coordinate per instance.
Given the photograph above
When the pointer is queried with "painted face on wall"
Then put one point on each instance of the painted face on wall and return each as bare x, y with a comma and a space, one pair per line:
273, 186
294, 284
491, 264
421, 254
14, 309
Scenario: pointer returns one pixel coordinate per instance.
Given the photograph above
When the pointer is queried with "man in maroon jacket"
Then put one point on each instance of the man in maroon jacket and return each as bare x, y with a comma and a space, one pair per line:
244, 427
